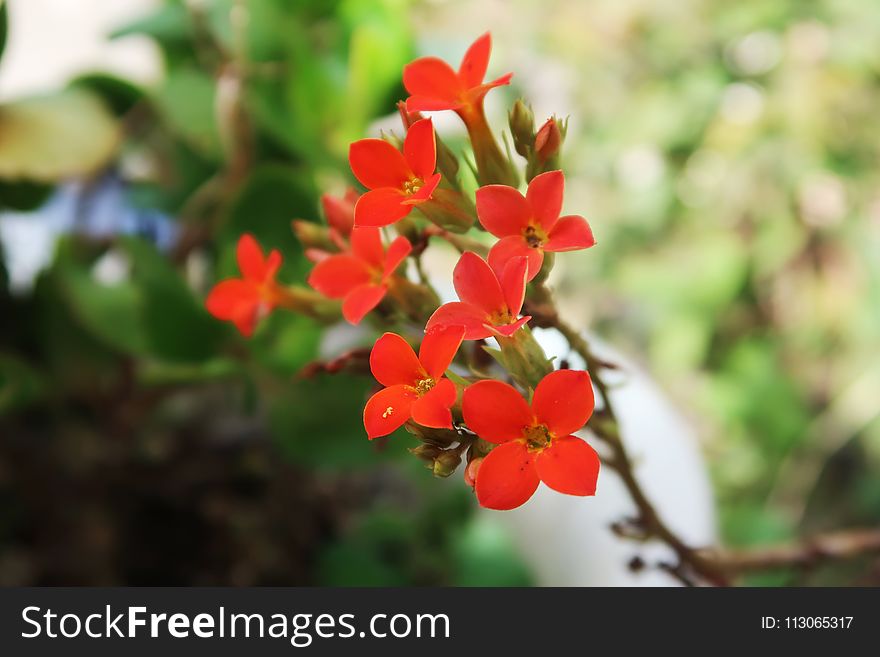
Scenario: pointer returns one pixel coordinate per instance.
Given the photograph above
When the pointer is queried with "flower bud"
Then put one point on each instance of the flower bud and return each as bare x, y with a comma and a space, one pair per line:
470, 472
339, 211
548, 144
446, 463
307, 302
522, 128
426, 453
312, 236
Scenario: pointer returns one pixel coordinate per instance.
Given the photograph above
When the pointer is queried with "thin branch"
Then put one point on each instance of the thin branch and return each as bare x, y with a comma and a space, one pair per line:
807, 553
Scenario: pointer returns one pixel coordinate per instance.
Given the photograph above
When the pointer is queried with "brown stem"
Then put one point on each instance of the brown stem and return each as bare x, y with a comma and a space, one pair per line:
809, 552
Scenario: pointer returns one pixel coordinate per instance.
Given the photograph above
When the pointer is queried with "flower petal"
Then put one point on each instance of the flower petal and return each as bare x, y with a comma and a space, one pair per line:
495, 411
337, 275
388, 410
512, 247
477, 284
563, 401
513, 283
250, 258
434, 79
569, 466
474, 96
439, 347
393, 361
366, 244
362, 300
475, 61
432, 408
502, 210
473, 319
376, 163
506, 478
420, 148
507, 330
381, 207
545, 198
227, 299
570, 233
397, 252
430, 104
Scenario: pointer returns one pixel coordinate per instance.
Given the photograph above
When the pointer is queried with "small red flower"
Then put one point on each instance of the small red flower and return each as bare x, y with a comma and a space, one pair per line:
243, 301
397, 181
433, 85
530, 226
533, 442
416, 388
361, 275
489, 304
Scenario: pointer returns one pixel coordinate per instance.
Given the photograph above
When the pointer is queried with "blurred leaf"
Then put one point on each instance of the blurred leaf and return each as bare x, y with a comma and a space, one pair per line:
20, 384
119, 95
57, 136
23, 196
272, 196
176, 325
485, 556
111, 313
216, 369
168, 25
4, 27
318, 422
186, 100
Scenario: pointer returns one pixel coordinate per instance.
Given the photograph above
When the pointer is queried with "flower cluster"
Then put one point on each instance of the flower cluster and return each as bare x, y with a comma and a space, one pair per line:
511, 416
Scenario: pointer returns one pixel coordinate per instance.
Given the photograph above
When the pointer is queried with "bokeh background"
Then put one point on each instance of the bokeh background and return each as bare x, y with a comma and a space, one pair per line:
725, 153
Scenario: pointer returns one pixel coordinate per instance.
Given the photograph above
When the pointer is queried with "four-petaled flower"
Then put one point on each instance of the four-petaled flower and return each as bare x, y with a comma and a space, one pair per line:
533, 442
361, 275
489, 304
416, 388
434, 86
397, 181
528, 226
243, 301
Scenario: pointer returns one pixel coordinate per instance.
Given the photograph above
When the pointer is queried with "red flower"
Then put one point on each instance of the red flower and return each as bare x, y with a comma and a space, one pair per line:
361, 275
244, 300
397, 181
530, 226
489, 304
534, 442
433, 85
416, 388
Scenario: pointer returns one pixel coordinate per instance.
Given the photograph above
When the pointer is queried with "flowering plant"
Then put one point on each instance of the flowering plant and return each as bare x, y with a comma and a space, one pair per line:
511, 436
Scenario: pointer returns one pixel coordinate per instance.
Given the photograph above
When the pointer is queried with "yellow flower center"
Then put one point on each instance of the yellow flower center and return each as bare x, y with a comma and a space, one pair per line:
537, 437
534, 236
412, 186
423, 386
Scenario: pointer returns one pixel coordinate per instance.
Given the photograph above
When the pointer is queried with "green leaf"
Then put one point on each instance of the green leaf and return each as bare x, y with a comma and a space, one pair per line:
4, 27
58, 136
20, 384
318, 422
176, 325
111, 313
23, 196
169, 24
119, 95
269, 200
186, 100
